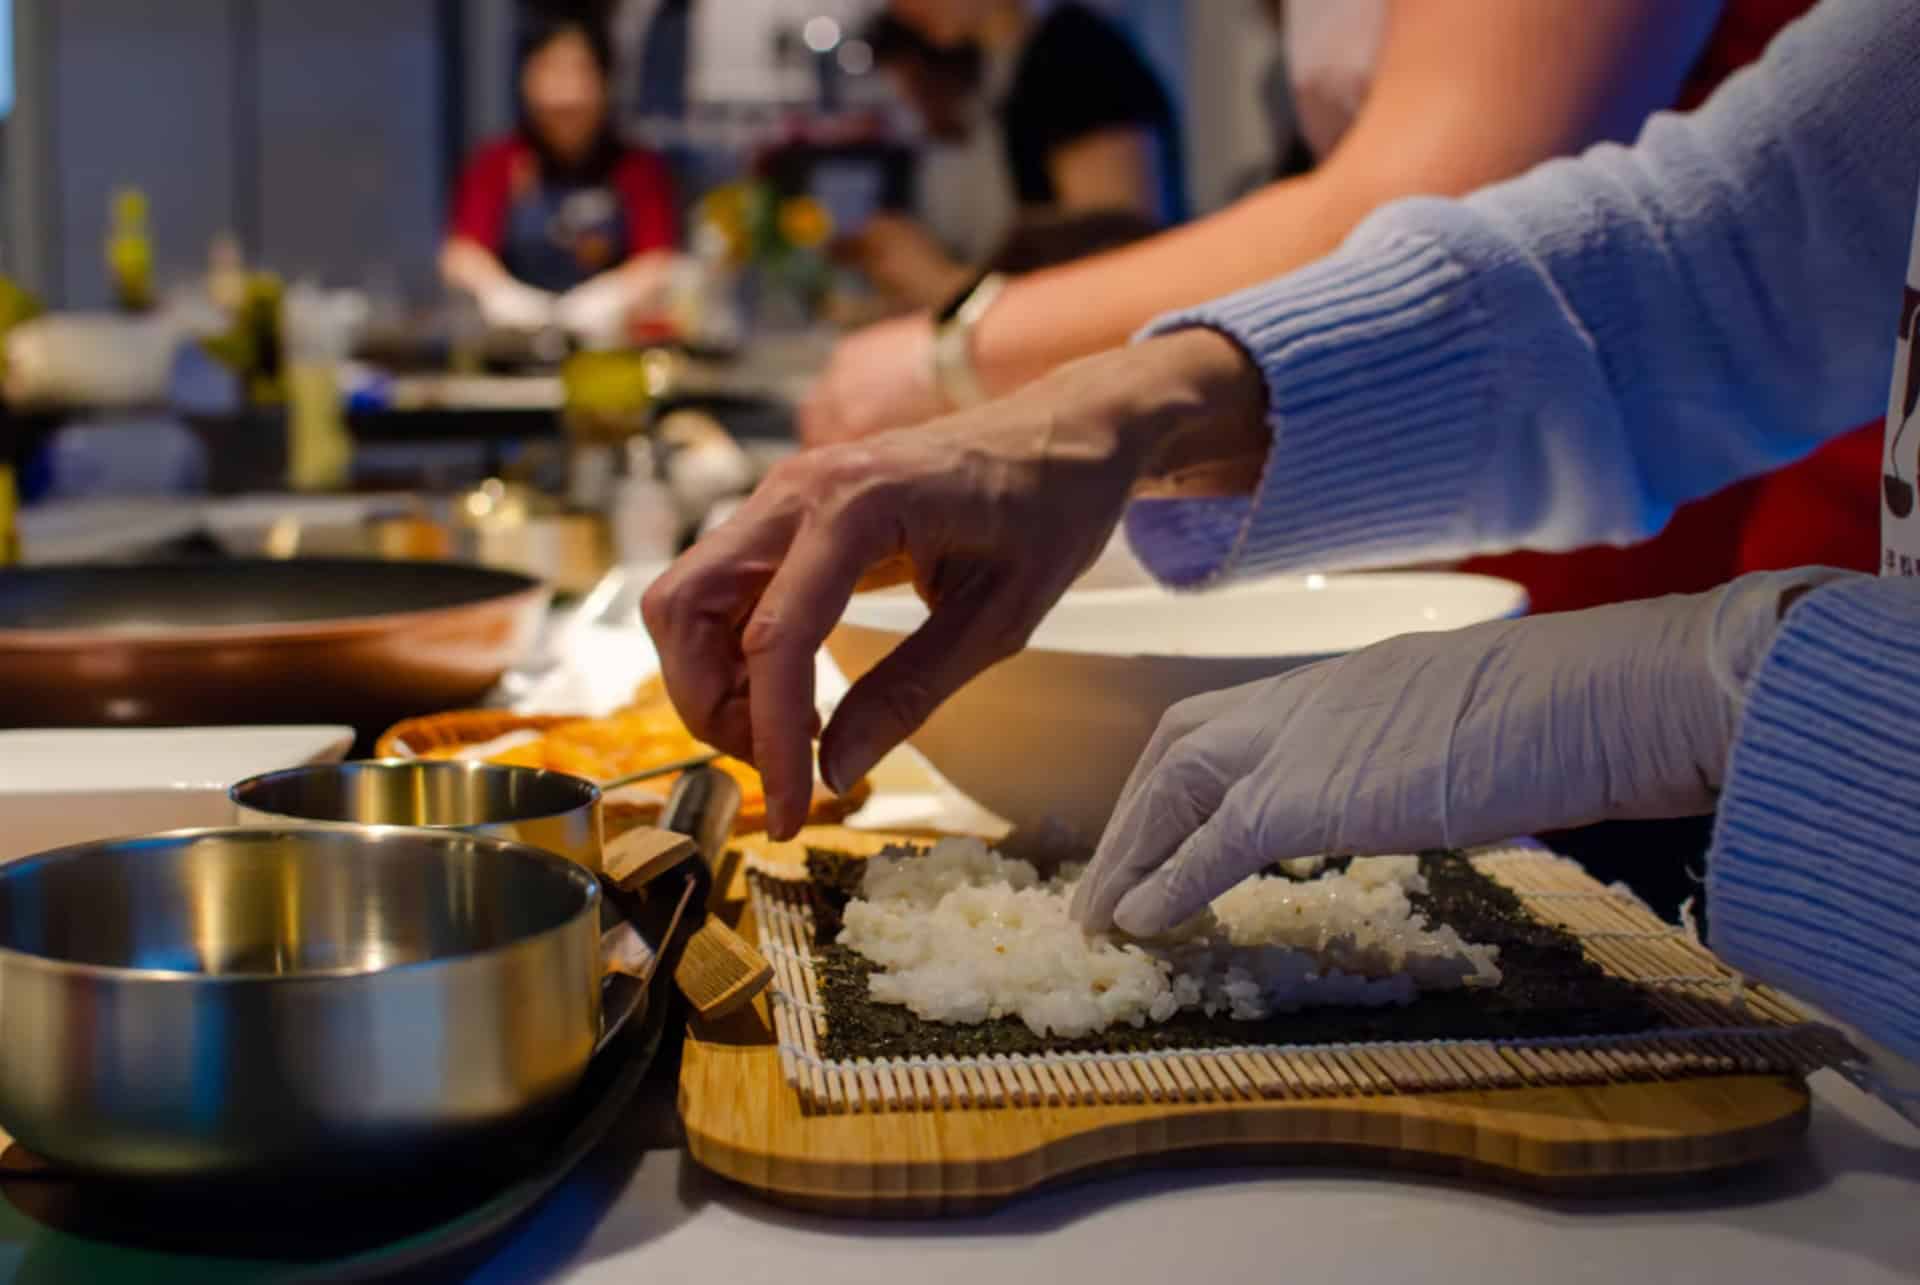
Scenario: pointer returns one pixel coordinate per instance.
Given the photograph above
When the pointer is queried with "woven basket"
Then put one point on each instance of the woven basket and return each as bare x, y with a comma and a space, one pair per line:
420, 736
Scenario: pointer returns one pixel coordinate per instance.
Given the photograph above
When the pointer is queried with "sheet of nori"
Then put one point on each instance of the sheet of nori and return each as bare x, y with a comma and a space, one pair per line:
1548, 988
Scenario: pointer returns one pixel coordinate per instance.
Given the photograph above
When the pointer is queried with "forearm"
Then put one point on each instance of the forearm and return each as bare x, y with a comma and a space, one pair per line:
1466, 93
469, 266
644, 273
1812, 883
1563, 359
1051, 317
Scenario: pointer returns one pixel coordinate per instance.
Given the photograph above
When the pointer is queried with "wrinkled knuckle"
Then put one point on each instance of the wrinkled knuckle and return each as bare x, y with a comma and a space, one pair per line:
1184, 717
663, 603
767, 634
1258, 837
1004, 645
1167, 734
905, 703
794, 474
844, 467
1189, 760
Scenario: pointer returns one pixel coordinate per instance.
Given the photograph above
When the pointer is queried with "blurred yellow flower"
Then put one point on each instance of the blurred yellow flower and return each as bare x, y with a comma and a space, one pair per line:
805, 223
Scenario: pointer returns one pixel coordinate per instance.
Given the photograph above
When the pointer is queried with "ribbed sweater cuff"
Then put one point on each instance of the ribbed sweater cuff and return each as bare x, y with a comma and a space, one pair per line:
1816, 859
1377, 364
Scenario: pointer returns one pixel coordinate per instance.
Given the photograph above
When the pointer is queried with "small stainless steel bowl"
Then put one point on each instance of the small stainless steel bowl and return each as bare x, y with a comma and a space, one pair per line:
548, 810
270, 1003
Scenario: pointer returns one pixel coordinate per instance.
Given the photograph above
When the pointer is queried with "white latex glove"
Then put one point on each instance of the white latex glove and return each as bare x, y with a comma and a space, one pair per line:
1437, 740
514, 305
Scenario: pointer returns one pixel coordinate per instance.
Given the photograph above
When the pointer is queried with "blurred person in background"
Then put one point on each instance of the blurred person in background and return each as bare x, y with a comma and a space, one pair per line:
560, 223
1553, 361
1088, 131
1397, 98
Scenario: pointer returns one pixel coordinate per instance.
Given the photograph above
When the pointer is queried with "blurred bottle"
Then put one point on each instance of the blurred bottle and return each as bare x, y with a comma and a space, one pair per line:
319, 333
253, 344
9, 517
466, 335
130, 251
227, 274
702, 305
646, 522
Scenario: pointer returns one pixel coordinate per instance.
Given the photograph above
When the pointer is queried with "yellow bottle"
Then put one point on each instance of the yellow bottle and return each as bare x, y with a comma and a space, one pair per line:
320, 449
9, 518
130, 251
316, 338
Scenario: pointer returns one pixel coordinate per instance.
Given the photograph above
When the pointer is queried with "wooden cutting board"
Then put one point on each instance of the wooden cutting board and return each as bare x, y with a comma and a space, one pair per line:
746, 1122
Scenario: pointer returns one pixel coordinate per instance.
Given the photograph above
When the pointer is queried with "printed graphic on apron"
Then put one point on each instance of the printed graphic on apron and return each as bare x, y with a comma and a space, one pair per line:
1900, 476
1898, 486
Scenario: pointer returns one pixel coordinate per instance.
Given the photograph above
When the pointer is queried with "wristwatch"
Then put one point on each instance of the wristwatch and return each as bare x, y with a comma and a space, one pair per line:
953, 326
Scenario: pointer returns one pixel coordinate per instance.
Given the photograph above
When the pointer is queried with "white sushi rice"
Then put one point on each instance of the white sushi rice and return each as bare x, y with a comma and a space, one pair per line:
965, 935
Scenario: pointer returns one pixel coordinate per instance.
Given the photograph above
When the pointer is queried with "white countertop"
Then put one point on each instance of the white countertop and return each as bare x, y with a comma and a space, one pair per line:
1843, 1211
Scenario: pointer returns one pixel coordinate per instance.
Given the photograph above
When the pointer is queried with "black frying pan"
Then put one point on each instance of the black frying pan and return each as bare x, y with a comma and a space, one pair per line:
360, 642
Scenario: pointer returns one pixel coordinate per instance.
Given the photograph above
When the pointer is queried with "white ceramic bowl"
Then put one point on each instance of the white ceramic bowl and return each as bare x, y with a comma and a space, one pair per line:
64, 787
1050, 735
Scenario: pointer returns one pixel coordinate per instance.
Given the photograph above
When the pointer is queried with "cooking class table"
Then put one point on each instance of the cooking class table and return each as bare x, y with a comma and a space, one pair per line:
641, 1209
1840, 1210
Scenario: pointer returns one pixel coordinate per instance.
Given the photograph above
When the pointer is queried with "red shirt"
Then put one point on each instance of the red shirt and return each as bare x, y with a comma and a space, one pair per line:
506, 174
1806, 514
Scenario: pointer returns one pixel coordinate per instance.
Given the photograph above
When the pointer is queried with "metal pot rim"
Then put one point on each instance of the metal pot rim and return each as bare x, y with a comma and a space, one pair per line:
585, 881
591, 799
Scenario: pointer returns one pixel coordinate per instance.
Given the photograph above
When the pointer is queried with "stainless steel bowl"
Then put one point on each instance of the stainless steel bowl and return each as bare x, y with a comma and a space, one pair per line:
238, 1004
548, 810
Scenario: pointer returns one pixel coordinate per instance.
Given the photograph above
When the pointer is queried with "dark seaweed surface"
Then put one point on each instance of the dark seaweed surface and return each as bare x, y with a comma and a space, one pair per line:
1547, 988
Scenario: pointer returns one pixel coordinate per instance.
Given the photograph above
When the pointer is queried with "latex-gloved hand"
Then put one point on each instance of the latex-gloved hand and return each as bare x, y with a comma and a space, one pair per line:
514, 305
878, 378
1437, 740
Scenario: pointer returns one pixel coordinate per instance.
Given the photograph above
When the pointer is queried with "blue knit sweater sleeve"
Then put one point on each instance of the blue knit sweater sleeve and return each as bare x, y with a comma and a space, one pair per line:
1815, 871
1562, 359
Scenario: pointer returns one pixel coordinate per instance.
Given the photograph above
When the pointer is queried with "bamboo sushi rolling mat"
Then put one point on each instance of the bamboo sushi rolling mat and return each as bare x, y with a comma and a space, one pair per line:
1720, 1085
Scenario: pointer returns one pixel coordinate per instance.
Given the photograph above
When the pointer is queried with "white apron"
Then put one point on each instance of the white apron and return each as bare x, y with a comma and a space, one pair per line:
1900, 485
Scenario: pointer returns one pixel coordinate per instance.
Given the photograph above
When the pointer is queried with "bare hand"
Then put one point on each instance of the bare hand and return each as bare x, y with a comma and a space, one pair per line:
879, 378
991, 514
903, 260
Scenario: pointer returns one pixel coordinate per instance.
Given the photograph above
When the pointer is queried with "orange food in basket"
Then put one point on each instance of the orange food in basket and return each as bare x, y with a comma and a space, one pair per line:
645, 733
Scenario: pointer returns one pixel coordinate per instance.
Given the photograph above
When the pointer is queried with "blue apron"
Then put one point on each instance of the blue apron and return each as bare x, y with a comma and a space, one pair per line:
560, 235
